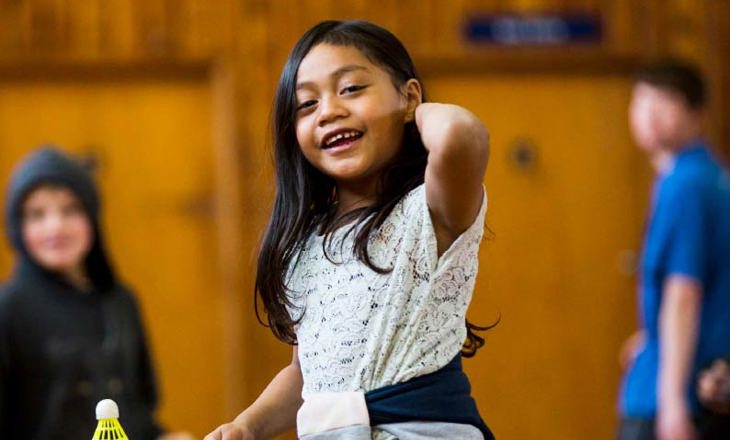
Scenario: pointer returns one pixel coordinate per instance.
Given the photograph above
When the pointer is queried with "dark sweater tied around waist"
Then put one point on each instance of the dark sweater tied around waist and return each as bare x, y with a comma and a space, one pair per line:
441, 396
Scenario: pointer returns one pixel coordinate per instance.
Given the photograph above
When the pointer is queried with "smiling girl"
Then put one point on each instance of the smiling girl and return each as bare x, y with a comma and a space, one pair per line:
370, 257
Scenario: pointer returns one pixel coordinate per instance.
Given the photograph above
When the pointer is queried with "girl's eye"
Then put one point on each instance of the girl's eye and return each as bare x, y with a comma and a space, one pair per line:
352, 89
306, 104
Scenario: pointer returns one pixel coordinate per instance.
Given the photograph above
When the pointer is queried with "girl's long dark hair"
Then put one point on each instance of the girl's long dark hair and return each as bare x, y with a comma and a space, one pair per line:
305, 196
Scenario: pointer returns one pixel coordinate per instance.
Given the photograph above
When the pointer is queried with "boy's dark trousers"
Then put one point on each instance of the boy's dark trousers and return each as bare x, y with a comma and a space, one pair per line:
710, 426
636, 429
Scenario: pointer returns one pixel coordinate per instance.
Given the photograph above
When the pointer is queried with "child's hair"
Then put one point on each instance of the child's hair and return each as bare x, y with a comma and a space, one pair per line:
305, 197
677, 76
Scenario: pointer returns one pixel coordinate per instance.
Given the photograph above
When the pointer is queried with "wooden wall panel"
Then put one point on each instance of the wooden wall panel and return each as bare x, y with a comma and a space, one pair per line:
100, 29
116, 29
718, 64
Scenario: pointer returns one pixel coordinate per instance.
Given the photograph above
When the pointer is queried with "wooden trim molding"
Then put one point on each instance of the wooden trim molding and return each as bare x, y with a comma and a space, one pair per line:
117, 70
530, 61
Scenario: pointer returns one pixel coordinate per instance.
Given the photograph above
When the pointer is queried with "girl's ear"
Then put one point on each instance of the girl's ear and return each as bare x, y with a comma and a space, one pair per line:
412, 91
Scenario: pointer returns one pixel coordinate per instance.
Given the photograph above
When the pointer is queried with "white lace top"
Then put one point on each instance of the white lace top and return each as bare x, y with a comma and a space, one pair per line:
362, 330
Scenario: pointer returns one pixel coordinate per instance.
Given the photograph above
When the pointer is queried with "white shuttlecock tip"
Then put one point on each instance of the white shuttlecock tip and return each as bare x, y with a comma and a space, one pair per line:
107, 409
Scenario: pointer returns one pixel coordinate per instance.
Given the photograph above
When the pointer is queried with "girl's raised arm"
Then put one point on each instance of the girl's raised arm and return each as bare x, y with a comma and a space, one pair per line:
458, 145
273, 412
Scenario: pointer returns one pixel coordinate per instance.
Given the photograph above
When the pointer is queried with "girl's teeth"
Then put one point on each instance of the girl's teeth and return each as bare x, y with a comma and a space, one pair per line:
340, 136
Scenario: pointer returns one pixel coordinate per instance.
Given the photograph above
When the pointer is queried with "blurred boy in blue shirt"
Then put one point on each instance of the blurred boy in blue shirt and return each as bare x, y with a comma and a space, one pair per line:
684, 290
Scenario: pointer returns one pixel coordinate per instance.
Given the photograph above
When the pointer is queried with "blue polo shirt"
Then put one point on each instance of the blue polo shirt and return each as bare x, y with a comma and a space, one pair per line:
688, 234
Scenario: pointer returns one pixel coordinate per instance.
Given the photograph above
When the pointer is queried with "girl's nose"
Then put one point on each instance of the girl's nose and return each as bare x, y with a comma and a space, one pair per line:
330, 109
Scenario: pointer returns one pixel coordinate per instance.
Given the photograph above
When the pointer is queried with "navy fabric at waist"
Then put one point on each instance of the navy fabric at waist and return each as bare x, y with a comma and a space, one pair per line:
441, 396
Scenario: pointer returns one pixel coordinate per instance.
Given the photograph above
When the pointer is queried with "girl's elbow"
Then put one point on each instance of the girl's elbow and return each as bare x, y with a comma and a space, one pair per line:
473, 142
471, 133
462, 137
482, 142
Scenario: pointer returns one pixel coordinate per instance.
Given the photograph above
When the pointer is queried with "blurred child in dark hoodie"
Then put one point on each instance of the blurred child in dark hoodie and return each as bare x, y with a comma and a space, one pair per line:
70, 332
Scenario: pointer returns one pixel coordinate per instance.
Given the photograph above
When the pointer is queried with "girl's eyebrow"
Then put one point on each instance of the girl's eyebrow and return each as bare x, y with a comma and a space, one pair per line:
336, 74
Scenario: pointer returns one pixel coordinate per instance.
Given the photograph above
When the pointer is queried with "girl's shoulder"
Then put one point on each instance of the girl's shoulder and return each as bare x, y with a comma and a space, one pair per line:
408, 222
413, 202
413, 207
417, 194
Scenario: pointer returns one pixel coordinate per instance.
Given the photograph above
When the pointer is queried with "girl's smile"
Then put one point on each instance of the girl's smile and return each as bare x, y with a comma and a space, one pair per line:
339, 140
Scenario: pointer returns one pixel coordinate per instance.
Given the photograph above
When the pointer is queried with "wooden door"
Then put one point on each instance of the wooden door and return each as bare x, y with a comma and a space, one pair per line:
566, 202
152, 142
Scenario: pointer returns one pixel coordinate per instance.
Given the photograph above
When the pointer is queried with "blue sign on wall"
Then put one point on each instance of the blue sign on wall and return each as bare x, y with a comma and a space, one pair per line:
534, 30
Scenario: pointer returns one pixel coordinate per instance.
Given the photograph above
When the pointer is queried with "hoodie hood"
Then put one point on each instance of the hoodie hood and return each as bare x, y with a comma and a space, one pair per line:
48, 165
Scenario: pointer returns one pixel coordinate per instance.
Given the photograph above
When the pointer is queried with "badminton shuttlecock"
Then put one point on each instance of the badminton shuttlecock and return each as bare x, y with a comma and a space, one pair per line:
108, 428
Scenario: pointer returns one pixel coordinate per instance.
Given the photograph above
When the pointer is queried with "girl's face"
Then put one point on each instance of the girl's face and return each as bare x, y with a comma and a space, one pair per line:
350, 116
56, 230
